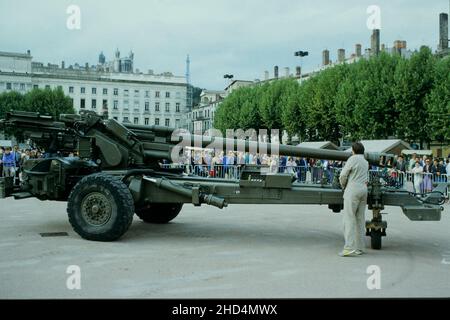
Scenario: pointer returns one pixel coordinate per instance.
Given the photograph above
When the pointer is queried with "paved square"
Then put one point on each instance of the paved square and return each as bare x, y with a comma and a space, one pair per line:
260, 251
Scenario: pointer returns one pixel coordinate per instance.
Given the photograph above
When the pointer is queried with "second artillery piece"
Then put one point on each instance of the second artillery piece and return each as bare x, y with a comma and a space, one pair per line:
117, 173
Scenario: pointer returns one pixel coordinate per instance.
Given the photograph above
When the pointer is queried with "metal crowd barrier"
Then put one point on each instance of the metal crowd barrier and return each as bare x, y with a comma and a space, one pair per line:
418, 183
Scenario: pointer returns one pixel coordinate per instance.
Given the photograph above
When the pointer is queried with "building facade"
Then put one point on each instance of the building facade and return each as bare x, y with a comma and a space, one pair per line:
114, 88
202, 115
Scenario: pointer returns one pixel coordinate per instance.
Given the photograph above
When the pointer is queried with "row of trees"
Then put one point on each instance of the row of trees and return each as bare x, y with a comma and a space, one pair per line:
45, 101
371, 99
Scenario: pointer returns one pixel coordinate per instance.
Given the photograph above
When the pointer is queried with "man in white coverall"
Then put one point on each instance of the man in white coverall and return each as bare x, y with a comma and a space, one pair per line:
353, 179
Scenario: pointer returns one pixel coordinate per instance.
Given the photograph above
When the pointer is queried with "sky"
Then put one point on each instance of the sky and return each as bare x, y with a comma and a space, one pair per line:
243, 38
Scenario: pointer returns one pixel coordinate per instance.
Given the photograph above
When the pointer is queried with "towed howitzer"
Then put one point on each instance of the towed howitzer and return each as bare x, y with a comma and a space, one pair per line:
117, 172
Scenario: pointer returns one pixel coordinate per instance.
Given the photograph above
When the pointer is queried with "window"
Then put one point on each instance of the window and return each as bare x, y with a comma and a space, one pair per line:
47, 86
156, 94
70, 89
115, 104
136, 120
82, 103
105, 91
167, 107
147, 106
125, 119
146, 121
147, 94
94, 104
156, 121
136, 104
105, 104
167, 122
126, 92
177, 107
136, 93
94, 90
116, 91
125, 104
35, 86
82, 89
8, 86
156, 106
22, 87
177, 123
167, 94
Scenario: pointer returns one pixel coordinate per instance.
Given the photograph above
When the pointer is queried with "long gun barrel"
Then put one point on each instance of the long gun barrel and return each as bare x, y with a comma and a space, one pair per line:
115, 145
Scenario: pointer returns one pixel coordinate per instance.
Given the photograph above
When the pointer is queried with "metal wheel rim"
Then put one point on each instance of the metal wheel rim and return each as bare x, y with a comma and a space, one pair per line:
96, 209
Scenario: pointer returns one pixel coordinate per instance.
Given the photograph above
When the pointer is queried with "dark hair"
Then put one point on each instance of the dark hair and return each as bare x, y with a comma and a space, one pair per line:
358, 148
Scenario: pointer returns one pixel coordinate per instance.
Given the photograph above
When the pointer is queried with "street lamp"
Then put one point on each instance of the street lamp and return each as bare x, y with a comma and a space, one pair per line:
300, 54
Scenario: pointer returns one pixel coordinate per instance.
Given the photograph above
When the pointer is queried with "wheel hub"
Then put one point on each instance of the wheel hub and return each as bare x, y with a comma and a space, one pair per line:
96, 209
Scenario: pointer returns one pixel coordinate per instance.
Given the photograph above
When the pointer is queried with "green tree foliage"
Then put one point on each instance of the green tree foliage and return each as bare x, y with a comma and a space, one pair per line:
438, 103
11, 101
44, 101
414, 79
373, 98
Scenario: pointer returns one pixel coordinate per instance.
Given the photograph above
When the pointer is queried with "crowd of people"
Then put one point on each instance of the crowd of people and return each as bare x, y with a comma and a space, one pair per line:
422, 171
12, 160
227, 164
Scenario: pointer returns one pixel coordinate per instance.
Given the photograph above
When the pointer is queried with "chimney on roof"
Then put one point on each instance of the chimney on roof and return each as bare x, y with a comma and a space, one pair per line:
375, 42
63, 65
287, 72
298, 71
325, 57
443, 31
341, 55
358, 50
275, 72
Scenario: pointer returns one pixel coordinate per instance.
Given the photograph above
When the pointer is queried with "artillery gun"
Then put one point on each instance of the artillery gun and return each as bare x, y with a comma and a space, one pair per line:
117, 173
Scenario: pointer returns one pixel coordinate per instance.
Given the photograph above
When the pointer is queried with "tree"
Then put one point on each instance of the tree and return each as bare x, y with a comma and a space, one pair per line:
293, 115
414, 79
227, 115
321, 120
374, 113
47, 101
438, 103
11, 101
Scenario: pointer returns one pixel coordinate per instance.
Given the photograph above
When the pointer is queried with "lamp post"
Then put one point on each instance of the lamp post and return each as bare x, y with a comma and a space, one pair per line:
301, 54
228, 76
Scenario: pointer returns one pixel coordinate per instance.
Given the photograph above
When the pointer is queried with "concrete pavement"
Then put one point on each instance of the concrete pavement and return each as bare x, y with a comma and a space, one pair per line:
243, 251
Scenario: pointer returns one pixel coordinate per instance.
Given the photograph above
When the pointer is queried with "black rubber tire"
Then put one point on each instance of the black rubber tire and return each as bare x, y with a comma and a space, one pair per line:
159, 212
117, 194
375, 239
